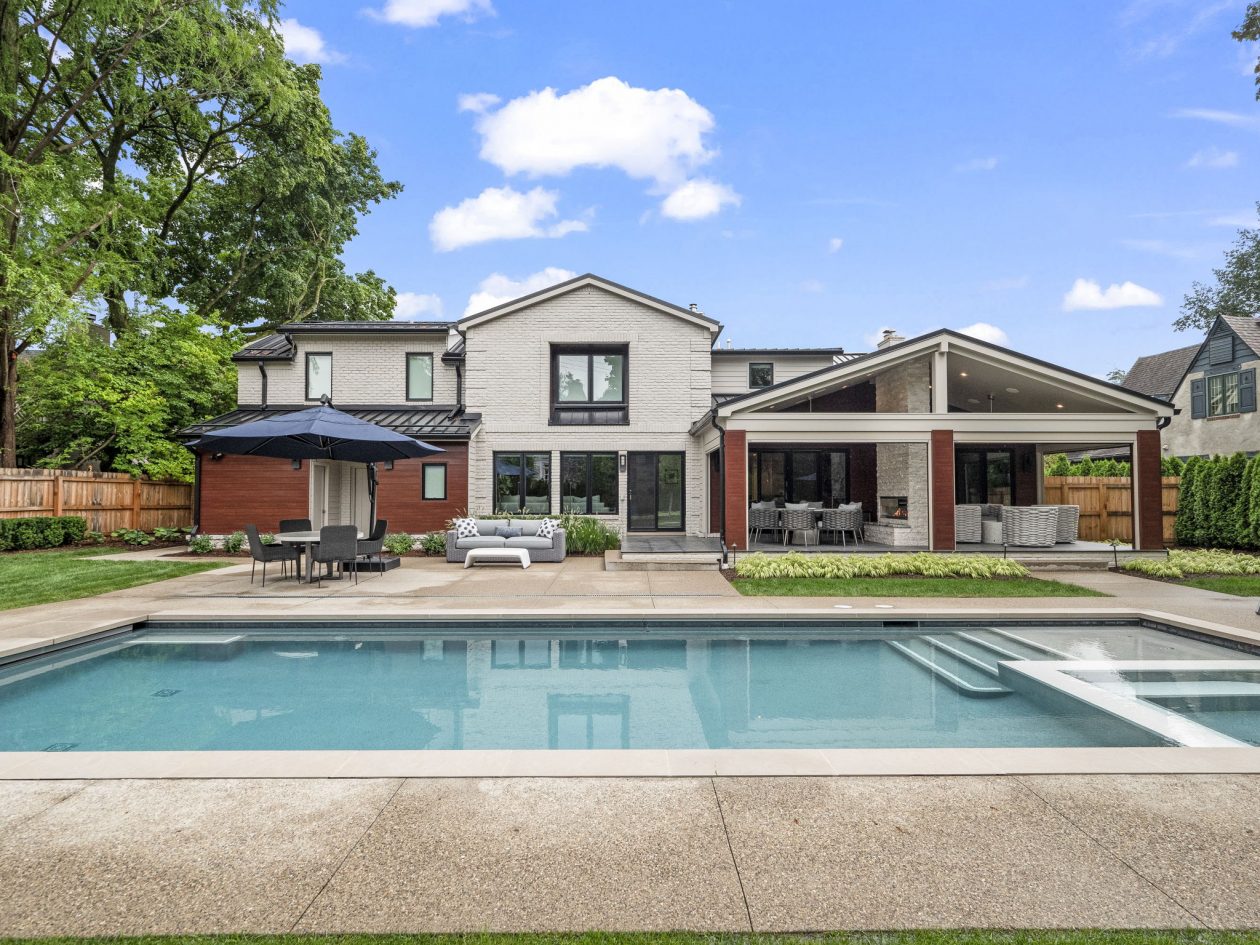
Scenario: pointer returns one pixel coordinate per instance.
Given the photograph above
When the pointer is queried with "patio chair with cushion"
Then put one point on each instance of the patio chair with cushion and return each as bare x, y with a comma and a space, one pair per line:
1030, 526
841, 522
266, 554
763, 520
337, 545
1069, 523
967, 519
800, 521
296, 525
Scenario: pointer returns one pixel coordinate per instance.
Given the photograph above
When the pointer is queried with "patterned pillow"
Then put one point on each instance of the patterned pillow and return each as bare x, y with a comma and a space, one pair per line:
547, 527
465, 528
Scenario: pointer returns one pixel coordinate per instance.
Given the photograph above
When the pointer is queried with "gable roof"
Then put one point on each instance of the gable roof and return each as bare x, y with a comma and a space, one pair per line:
893, 354
784, 352
1157, 375
1246, 328
582, 281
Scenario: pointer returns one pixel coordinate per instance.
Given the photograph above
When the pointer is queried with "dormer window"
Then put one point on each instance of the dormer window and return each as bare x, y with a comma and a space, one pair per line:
589, 384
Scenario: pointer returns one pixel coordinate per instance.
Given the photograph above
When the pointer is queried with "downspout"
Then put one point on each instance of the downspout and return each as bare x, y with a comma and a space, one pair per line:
196, 497
459, 377
262, 369
721, 432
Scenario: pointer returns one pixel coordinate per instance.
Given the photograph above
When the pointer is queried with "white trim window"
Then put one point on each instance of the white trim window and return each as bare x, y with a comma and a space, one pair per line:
1222, 395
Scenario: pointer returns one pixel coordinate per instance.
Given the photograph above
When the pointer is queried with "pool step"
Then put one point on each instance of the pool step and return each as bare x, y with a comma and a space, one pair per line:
969, 674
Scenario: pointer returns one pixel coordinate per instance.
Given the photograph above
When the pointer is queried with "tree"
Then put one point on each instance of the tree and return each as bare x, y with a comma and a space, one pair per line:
85, 402
1117, 375
1187, 527
1057, 464
1236, 290
1249, 32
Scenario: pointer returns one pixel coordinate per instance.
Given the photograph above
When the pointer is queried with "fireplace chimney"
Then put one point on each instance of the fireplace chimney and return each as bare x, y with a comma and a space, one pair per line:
890, 338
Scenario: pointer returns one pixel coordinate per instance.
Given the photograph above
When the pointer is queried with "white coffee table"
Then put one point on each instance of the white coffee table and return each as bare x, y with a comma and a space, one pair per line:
500, 555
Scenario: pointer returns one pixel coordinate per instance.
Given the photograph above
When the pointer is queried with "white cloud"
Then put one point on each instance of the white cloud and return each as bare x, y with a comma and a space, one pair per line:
658, 135
835, 244
1213, 158
977, 164
986, 332
1219, 116
1233, 219
478, 102
1088, 294
420, 13
306, 44
497, 288
812, 286
499, 213
1163, 248
417, 306
697, 199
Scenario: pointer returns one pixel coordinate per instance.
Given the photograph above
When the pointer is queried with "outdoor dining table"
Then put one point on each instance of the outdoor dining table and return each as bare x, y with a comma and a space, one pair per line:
309, 540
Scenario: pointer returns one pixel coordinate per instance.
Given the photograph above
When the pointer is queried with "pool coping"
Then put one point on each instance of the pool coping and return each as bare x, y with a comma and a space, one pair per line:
635, 763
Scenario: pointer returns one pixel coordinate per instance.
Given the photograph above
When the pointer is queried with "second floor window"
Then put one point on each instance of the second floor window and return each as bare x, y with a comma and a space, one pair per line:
318, 375
419, 377
1222, 395
760, 374
589, 384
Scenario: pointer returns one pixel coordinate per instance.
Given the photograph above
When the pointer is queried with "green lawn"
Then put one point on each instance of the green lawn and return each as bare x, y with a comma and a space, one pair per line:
930, 937
1242, 585
42, 577
909, 587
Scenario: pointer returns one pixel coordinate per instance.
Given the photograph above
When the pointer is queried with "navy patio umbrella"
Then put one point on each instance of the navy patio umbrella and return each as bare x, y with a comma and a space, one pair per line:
318, 433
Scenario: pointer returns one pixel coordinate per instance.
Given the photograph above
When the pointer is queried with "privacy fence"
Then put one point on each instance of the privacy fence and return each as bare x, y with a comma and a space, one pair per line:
108, 501
1106, 504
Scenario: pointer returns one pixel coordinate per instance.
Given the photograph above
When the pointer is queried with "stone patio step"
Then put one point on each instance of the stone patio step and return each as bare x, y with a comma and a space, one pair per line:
650, 561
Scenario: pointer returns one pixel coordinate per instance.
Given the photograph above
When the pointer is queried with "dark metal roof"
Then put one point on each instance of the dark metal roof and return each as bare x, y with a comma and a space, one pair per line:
833, 352
267, 348
455, 352
366, 328
430, 422
1157, 375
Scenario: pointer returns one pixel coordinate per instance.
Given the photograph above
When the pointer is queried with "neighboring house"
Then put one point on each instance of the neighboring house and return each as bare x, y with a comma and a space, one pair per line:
594, 398
1212, 385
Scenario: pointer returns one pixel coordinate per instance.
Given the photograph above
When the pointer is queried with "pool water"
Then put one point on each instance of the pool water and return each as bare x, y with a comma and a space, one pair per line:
578, 687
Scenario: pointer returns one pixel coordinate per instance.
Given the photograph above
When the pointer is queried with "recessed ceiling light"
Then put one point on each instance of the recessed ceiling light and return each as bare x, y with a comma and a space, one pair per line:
1012, 390
972, 400
962, 373
1060, 406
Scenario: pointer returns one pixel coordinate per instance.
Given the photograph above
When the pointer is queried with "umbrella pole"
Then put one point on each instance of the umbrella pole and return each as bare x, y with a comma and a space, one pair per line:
371, 471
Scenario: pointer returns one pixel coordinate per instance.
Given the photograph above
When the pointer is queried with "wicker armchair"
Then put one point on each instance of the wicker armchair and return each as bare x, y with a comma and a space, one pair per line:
763, 520
800, 520
1030, 526
1069, 522
967, 523
842, 522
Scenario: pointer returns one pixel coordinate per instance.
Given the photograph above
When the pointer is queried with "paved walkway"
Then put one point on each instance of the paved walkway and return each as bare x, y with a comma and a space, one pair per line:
389, 855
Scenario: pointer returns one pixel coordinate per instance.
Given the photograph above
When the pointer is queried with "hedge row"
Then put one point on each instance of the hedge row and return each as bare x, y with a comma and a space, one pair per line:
1057, 464
1219, 502
18, 534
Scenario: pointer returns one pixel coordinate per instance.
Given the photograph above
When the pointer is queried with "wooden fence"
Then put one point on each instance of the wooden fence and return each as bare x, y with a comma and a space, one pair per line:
108, 501
1106, 504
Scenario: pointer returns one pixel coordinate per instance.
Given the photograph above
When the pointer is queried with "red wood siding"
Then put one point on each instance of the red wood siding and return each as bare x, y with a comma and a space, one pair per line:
398, 495
941, 463
250, 490
1148, 491
737, 488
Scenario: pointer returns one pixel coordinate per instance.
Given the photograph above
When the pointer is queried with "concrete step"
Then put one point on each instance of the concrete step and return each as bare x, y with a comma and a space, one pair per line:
644, 561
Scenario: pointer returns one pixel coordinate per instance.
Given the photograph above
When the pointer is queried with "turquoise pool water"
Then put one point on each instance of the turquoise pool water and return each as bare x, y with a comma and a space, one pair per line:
565, 686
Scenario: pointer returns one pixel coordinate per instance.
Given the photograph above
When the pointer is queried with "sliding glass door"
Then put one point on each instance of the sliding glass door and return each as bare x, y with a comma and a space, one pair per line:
983, 477
656, 492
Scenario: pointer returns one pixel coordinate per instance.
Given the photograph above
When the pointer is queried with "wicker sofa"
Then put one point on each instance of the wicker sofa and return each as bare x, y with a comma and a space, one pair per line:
540, 549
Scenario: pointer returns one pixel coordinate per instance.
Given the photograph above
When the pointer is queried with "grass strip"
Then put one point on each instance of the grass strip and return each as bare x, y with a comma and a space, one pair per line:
45, 577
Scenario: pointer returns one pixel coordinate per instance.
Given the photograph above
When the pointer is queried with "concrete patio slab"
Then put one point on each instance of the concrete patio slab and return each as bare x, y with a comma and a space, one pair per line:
177, 857
529, 854
25, 799
876, 853
1196, 837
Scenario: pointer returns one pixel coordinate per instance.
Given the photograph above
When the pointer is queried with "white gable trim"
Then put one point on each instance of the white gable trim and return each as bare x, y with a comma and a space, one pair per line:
943, 341
581, 282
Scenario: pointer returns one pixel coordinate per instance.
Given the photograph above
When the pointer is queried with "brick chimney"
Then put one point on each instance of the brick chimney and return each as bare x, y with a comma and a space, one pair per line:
890, 338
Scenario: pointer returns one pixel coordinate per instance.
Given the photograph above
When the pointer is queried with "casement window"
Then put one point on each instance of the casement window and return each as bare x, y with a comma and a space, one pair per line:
588, 483
522, 482
419, 376
760, 374
318, 375
1223, 395
589, 385
433, 481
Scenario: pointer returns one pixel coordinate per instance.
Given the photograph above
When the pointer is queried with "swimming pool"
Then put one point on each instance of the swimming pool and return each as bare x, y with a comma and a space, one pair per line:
585, 685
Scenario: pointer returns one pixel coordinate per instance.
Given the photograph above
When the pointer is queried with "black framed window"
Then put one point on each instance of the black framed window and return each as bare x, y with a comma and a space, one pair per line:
433, 481
984, 477
799, 475
318, 375
419, 376
589, 385
522, 482
760, 374
588, 483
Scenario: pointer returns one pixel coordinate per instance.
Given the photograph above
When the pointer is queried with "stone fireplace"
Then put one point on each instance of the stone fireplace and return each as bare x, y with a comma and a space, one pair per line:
901, 476
894, 508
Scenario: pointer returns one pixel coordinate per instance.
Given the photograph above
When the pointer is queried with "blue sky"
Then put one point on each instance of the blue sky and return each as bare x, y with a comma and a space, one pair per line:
808, 173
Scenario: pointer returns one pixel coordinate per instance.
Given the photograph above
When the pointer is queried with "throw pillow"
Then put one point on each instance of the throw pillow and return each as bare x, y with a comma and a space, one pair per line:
547, 527
504, 532
465, 528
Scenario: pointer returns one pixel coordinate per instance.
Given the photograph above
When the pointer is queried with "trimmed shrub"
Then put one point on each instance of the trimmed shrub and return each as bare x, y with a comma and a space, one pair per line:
43, 531
922, 564
1171, 466
434, 543
1187, 528
201, 544
234, 542
400, 543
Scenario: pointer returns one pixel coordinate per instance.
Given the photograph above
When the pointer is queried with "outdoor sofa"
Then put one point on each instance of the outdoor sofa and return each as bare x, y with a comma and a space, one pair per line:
540, 549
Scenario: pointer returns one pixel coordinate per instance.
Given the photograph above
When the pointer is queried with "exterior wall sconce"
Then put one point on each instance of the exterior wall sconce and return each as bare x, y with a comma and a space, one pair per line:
296, 464
621, 461
217, 457
389, 464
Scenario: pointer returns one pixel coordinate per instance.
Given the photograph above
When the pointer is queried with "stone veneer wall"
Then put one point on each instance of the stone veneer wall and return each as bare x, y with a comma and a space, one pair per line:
902, 468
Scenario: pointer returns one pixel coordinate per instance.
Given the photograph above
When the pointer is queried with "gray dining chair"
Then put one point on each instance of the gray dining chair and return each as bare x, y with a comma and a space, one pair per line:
842, 522
373, 545
266, 554
762, 520
296, 525
800, 520
337, 545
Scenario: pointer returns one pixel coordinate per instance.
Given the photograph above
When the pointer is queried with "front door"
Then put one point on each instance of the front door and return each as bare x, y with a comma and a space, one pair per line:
655, 487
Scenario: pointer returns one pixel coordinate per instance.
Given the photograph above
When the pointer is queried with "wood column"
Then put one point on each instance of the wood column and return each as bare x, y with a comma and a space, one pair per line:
941, 473
1148, 492
736, 487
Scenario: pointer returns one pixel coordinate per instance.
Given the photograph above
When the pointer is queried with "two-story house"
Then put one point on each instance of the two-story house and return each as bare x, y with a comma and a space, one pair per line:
593, 398
1212, 386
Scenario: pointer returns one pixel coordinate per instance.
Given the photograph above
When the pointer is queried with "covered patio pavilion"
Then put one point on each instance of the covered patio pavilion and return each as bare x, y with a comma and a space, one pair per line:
924, 425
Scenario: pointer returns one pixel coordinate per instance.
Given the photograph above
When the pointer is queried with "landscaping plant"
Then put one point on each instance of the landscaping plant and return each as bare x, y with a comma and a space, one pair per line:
924, 564
434, 543
1181, 562
41, 531
400, 543
201, 544
234, 542
131, 536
